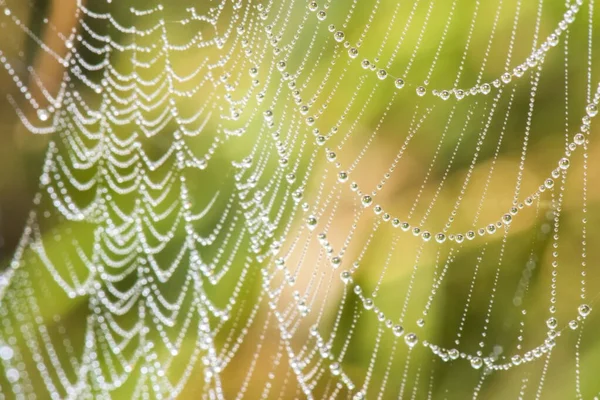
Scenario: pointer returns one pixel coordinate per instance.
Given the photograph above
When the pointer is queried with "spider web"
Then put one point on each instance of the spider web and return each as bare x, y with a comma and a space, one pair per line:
289, 199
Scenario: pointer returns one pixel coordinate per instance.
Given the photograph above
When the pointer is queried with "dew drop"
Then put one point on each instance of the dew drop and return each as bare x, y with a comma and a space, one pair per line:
367, 200
42, 115
584, 310
573, 324
339, 36
440, 238
335, 369
335, 261
411, 339
345, 275
397, 330
592, 110
6, 353
453, 353
476, 362
311, 222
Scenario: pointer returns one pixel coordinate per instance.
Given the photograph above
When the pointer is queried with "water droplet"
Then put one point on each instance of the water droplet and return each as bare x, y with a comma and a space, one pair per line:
342, 176
453, 353
518, 71
42, 114
335, 261
335, 368
367, 200
6, 353
399, 83
440, 238
411, 339
382, 74
45, 179
592, 110
421, 91
339, 36
353, 52
358, 396
584, 310
573, 324
346, 276
476, 362
311, 222
397, 330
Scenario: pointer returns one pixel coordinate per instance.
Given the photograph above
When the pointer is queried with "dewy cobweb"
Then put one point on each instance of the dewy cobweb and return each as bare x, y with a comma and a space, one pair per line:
304, 199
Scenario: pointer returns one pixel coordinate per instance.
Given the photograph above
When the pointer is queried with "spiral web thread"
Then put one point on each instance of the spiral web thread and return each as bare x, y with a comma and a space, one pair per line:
280, 199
